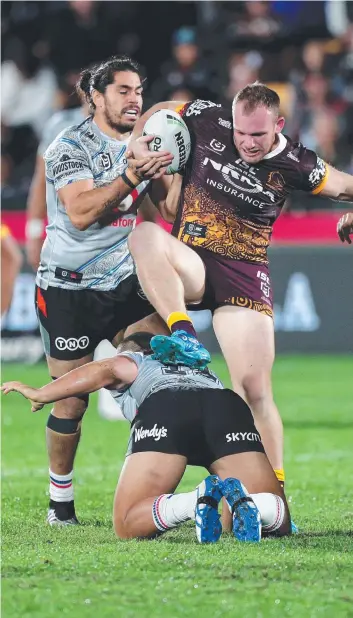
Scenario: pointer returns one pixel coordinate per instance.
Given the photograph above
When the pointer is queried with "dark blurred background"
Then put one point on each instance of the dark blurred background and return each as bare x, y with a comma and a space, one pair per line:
189, 50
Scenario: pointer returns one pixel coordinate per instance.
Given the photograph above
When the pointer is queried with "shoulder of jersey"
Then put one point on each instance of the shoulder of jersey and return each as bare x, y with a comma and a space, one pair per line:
293, 149
217, 115
197, 108
79, 134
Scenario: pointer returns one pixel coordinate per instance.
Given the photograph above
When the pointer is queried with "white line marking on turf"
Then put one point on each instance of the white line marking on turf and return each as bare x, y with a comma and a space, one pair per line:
81, 473
332, 455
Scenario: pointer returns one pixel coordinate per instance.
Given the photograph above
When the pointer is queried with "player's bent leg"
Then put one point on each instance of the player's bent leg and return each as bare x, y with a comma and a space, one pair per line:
250, 475
236, 454
63, 434
150, 324
145, 507
141, 505
169, 271
171, 275
246, 338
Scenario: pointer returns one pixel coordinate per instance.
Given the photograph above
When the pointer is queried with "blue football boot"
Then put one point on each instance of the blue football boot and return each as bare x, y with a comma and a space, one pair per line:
294, 528
207, 518
180, 348
246, 516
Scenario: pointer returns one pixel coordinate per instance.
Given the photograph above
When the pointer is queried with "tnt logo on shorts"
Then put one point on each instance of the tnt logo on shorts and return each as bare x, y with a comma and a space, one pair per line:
72, 344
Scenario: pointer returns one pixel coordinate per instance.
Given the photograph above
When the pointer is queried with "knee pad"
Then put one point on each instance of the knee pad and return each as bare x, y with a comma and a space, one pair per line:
64, 425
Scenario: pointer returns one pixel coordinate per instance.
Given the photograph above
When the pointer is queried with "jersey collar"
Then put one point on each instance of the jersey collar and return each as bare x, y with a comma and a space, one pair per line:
108, 137
282, 143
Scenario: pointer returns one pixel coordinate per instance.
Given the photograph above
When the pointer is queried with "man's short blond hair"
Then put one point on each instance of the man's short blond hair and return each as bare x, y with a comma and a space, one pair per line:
257, 95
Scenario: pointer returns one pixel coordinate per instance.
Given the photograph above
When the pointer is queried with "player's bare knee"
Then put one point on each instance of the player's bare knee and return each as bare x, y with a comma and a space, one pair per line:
258, 393
142, 236
72, 408
120, 528
122, 522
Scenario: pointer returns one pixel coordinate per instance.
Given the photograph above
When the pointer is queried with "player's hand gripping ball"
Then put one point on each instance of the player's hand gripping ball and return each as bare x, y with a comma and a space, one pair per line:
171, 134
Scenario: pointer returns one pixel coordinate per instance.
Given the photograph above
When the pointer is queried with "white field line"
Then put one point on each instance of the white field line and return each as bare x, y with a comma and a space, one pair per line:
81, 472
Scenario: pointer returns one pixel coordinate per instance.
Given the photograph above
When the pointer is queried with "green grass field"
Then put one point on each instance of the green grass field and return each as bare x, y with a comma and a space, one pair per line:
85, 572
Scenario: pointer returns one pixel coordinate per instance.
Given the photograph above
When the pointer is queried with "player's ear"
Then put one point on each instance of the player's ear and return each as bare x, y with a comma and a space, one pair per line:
97, 98
280, 124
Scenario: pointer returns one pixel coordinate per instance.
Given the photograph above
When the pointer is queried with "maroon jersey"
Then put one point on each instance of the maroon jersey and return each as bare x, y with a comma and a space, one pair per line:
227, 205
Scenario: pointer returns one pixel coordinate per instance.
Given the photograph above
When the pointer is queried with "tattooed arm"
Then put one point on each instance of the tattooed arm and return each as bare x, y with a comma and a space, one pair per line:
69, 169
113, 372
85, 204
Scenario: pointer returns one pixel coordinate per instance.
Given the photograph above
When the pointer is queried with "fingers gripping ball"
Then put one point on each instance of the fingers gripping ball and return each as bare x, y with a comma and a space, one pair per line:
171, 134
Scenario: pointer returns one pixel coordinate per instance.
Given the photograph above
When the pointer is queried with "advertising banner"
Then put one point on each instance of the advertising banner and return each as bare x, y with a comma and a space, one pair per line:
313, 293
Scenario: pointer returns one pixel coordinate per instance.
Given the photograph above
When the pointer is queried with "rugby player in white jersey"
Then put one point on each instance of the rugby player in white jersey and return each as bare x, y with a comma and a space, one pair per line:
74, 113
185, 416
86, 288
36, 213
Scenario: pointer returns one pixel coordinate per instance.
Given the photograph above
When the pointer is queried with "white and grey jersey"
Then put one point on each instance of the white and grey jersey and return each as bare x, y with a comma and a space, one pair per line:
57, 123
97, 258
127, 404
153, 376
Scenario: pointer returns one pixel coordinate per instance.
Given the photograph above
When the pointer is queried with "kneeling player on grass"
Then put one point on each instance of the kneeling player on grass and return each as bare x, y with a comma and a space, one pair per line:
185, 416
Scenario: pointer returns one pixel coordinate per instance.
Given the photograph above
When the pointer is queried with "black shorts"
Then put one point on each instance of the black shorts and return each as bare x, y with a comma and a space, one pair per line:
202, 425
74, 322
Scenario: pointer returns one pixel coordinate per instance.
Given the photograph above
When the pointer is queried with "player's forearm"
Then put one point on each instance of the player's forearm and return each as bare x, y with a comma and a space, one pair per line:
163, 196
338, 186
173, 197
89, 206
148, 211
36, 203
80, 381
347, 194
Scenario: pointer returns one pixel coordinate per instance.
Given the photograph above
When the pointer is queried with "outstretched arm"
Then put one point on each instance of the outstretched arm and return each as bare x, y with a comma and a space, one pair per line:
339, 186
110, 373
36, 214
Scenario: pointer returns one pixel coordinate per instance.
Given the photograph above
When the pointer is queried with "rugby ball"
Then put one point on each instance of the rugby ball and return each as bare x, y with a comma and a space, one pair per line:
171, 134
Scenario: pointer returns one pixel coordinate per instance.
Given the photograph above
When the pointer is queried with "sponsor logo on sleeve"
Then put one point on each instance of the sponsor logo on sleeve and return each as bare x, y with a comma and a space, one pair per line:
318, 173
199, 106
224, 123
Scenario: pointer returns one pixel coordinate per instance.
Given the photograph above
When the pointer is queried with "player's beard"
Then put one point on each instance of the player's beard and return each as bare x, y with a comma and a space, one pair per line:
117, 124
